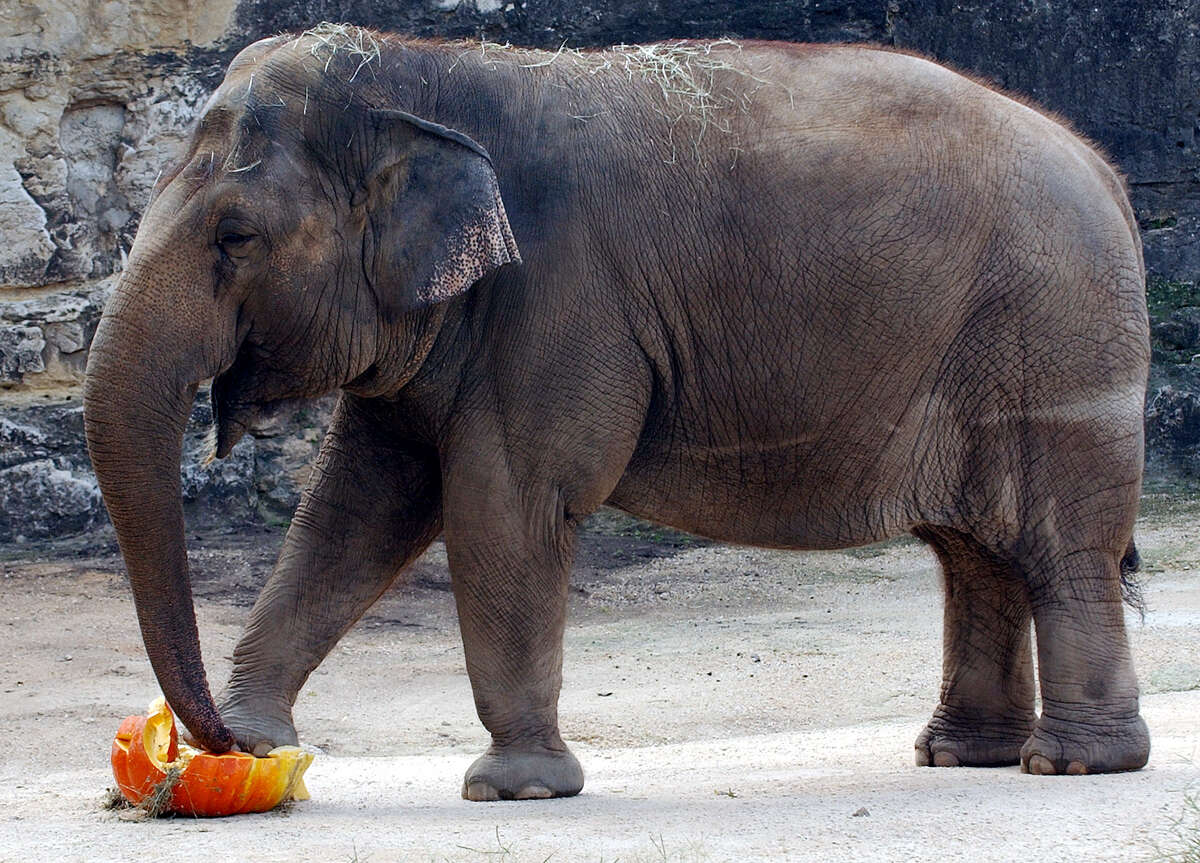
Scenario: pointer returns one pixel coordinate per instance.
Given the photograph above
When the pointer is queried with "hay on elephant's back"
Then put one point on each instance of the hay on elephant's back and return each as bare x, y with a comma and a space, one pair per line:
329, 40
687, 75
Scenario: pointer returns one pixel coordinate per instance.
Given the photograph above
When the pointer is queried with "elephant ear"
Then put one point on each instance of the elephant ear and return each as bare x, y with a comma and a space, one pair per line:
436, 222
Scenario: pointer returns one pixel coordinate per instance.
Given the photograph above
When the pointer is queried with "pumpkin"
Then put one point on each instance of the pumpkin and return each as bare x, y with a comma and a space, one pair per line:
158, 773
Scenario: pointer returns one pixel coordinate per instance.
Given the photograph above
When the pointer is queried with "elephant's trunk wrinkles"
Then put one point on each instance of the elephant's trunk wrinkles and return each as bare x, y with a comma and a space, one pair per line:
137, 398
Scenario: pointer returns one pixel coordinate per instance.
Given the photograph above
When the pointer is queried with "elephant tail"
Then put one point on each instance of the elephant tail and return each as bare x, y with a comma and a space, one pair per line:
1131, 585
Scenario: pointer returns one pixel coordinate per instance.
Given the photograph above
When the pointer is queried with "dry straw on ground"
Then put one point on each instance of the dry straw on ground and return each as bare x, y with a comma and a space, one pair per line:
157, 803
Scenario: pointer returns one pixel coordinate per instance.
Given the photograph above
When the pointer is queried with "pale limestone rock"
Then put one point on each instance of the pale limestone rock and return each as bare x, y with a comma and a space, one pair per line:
43, 340
86, 29
27, 249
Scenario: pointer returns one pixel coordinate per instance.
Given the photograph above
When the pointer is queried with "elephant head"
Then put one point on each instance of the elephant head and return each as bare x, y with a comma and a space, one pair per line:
306, 232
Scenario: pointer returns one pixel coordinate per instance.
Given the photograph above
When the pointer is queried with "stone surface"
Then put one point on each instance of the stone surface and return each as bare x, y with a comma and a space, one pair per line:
39, 500
46, 485
88, 29
97, 95
21, 351
1180, 331
27, 248
44, 339
1173, 429
1170, 241
47, 489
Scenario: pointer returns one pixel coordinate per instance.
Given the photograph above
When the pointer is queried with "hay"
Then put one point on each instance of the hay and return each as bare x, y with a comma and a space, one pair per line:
159, 800
235, 156
686, 74
681, 71
330, 39
156, 804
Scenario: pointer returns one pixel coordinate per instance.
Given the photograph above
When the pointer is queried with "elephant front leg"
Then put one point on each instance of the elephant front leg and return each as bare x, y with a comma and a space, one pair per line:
986, 709
509, 561
371, 507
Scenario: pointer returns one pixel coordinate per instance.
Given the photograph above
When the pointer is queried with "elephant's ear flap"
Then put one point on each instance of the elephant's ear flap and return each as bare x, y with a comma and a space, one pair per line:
479, 241
436, 221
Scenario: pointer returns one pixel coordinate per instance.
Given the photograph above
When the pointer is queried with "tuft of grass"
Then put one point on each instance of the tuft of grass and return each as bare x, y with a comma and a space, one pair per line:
610, 522
1158, 223
664, 851
687, 853
1173, 503
1164, 296
1184, 844
113, 799
501, 850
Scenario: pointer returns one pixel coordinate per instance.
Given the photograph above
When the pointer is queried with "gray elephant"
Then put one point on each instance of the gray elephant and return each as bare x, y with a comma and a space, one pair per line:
795, 296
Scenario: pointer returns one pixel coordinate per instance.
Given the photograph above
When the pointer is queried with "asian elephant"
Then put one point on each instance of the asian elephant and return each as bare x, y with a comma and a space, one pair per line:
796, 296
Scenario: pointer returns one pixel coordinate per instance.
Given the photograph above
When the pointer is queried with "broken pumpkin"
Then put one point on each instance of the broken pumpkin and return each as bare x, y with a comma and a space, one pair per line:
158, 773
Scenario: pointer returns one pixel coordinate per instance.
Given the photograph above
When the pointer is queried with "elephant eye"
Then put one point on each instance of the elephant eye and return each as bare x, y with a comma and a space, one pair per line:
233, 243
235, 232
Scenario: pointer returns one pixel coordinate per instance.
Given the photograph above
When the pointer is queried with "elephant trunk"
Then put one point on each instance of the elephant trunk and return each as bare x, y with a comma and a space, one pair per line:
142, 373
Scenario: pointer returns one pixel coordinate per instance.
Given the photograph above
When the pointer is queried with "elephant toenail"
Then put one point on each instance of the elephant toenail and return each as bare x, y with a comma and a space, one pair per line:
261, 749
534, 792
480, 791
1077, 768
1040, 765
945, 759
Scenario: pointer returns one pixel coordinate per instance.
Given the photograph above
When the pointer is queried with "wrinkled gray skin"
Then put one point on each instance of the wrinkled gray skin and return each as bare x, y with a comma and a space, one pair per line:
844, 295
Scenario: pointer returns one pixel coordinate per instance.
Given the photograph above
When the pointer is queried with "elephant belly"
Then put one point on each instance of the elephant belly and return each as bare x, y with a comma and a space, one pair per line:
775, 495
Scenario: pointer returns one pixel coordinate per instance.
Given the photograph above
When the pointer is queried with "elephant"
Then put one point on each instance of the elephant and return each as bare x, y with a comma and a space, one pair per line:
782, 295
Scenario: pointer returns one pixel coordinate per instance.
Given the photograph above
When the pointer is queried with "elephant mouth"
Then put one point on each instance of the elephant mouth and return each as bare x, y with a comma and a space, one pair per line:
259, 420
238, 409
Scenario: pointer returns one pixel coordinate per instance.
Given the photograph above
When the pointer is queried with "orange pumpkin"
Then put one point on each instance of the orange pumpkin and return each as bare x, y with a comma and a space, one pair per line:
153, 769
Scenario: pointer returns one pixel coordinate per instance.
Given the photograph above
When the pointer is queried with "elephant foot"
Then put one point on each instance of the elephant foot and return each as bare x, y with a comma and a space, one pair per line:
1059, 747
523, 771
259, 727
955, 741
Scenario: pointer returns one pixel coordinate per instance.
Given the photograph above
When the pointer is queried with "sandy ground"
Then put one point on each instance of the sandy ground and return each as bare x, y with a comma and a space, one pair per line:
726, 703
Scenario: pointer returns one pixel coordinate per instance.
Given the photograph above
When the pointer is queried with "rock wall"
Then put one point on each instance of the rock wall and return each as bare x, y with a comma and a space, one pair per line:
95, 96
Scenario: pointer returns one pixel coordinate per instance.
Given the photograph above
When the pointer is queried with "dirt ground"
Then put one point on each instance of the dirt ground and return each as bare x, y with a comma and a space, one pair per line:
726, 703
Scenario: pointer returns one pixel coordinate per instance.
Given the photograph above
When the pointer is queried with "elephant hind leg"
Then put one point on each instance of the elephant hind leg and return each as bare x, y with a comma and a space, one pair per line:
1090, 720
1073, 550
986, 708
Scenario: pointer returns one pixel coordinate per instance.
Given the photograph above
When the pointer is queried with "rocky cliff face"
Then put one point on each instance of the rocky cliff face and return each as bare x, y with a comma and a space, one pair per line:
96, 96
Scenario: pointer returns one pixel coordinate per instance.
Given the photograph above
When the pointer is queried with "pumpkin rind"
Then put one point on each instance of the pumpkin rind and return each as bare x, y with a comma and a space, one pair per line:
147, 747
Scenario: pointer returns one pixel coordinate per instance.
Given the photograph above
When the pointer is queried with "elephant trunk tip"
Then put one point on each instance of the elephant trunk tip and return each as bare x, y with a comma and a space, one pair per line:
213, 737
